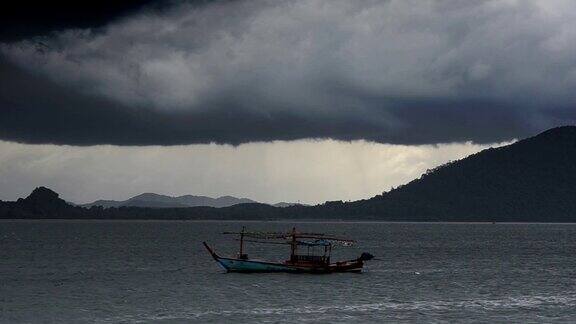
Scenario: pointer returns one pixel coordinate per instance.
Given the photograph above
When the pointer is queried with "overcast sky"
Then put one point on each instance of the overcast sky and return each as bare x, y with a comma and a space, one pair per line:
306, 171
132, 87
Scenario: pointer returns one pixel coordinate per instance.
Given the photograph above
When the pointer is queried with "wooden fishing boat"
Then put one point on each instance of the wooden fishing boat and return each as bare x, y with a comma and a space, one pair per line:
309, 253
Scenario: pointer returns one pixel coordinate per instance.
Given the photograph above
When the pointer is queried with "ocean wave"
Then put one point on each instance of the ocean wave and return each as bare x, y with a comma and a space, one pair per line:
486, 305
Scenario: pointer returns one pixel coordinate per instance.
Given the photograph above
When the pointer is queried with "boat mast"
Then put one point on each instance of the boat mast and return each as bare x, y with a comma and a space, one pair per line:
241, 253
293, 244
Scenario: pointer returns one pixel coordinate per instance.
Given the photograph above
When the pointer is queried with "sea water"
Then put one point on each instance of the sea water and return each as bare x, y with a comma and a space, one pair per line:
159, 272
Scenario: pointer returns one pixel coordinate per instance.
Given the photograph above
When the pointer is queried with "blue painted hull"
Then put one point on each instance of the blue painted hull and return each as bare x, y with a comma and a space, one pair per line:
237, 265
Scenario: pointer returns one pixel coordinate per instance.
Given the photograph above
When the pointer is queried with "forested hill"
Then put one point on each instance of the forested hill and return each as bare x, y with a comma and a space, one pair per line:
532, 180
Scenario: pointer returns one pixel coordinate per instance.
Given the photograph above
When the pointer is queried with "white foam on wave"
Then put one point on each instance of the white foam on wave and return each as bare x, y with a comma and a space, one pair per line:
528, 301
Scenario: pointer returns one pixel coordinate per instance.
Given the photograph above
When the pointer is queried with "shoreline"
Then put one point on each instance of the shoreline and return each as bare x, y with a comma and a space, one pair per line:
330, 221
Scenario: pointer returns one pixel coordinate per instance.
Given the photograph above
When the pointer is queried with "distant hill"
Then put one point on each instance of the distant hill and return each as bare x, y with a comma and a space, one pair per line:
286, 204
153, 200
41, 203
532, 180
44, 203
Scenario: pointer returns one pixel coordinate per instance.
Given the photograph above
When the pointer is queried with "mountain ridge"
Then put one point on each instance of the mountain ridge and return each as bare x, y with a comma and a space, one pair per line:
154, 200
531, 180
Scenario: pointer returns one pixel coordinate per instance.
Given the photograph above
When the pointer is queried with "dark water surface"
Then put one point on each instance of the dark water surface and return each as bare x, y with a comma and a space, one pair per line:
132, 272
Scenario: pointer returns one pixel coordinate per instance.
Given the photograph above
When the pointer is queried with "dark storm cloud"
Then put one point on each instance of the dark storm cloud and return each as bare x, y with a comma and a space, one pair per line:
22, 19
409, 72
35, 110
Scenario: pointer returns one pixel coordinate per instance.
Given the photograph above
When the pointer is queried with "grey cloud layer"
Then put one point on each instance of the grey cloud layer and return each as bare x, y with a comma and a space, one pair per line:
407, 72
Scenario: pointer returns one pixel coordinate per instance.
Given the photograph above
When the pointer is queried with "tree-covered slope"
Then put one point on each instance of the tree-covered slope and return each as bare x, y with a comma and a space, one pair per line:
531, 180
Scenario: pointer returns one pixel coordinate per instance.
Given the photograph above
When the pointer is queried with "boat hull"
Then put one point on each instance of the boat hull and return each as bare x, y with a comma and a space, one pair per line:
247, 266
255, 266
237, 265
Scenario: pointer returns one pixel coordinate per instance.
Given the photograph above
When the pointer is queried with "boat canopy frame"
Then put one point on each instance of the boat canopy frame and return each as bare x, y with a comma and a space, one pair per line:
295, 239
